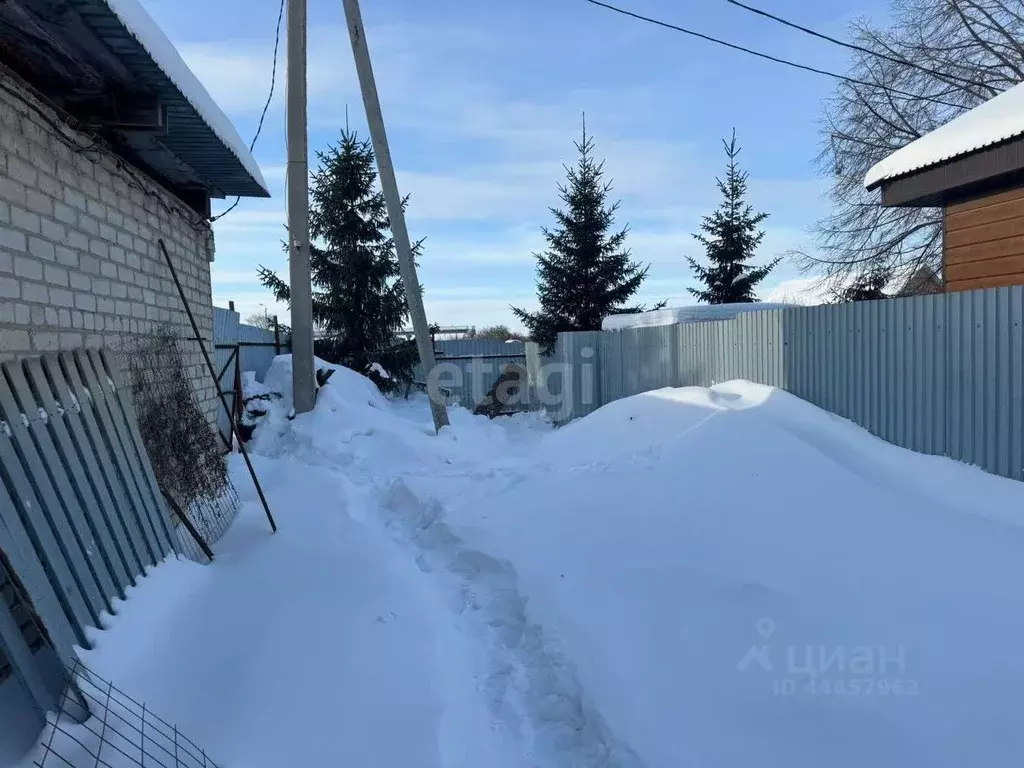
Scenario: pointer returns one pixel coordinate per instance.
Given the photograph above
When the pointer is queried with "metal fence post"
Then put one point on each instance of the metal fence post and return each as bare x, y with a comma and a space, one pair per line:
239, 397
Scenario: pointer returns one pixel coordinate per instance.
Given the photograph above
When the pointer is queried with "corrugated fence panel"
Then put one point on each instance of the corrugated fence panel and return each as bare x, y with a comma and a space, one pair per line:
610, 368
471, 366
630, 363
750, 347
228, 330
225, 333
225, 325
661, 355
230, 338
550, 382
939, 374
984, 422
928, 365
470, 347
1015, 382
581, 394
258, 359
693, 355
225, 337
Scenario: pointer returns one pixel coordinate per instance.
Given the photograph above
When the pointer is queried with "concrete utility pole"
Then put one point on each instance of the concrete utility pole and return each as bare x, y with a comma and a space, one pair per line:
303, 391
375, 119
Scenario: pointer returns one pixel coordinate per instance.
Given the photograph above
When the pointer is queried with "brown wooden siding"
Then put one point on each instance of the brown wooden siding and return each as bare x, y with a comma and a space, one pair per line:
984, 242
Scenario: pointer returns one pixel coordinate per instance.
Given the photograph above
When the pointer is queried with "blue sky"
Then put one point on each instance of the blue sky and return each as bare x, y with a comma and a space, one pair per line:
483, 102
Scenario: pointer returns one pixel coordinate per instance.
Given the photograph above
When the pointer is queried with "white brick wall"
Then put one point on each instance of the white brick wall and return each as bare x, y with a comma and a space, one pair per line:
79, 260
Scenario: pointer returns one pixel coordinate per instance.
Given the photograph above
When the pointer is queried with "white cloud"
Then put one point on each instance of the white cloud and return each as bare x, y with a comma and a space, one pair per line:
237, 75
478, 312
800, 290
509, 247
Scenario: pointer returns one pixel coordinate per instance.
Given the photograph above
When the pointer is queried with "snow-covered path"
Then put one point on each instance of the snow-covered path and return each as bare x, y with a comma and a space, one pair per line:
724, 577
312, 646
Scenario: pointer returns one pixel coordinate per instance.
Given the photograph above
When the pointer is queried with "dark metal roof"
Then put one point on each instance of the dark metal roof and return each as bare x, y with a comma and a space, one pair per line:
983, 171
79, 54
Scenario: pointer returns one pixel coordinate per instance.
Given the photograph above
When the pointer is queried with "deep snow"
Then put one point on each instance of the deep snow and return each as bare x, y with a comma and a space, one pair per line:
640, 587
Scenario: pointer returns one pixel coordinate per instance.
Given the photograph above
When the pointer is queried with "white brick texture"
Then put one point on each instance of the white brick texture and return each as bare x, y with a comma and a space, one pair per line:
79, 260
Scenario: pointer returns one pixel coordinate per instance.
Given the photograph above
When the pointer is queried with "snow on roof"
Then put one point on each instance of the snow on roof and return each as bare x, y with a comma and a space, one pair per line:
697, 313
142, 27
998, 119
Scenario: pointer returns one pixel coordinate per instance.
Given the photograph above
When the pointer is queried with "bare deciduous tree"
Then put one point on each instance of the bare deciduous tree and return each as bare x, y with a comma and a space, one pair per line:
956, 54
496, 333
260, 320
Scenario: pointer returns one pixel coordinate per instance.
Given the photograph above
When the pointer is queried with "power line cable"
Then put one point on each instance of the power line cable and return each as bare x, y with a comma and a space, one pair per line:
777, 60
855, 47
266, 105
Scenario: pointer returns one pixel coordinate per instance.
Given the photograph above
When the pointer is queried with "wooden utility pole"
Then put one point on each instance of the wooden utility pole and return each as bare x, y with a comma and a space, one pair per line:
389, 185
303, 391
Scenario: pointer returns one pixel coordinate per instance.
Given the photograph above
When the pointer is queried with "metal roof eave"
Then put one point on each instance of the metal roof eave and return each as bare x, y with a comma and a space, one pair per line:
187, 135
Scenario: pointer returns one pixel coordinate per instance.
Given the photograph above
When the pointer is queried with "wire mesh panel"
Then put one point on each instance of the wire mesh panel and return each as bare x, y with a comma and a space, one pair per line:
187, 461
97, 725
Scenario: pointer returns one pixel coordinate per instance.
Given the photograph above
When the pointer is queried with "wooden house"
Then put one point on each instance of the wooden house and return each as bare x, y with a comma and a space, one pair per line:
973, 168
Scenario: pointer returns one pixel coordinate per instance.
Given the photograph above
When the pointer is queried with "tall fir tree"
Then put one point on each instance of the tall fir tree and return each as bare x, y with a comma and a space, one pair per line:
358, 296
586, 272
730, 236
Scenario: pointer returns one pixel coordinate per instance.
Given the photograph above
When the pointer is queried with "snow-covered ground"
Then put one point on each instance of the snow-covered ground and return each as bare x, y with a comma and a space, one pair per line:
706, 577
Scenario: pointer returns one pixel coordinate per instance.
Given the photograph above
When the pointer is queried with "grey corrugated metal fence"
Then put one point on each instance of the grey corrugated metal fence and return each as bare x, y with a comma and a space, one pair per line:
258, 343
239, 348
469, 367
940, 374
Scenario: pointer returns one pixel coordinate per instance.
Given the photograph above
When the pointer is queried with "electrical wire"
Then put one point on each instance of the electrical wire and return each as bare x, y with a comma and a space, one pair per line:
266, 105
777, 60
855, 47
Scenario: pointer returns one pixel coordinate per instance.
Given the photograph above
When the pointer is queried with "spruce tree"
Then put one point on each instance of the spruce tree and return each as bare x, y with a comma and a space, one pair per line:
586, 272
868, 287
358, 295
730, 236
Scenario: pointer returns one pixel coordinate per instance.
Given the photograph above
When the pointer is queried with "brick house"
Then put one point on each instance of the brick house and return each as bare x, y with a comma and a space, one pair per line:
107, 143
973, 168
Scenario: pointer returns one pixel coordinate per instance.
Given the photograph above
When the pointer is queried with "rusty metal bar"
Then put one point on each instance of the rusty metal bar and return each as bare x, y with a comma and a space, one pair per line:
216, 383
